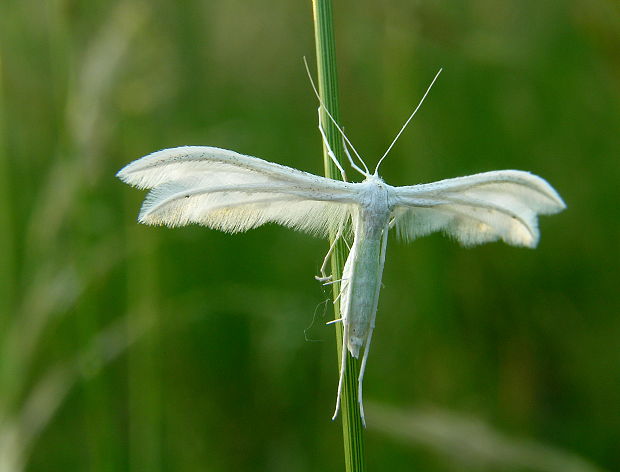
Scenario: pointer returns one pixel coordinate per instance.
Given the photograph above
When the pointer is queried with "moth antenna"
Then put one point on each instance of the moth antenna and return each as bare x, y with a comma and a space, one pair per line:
333, 120
407, 122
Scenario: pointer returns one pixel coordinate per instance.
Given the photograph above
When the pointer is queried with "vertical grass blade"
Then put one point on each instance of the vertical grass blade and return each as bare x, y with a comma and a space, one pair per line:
352, 428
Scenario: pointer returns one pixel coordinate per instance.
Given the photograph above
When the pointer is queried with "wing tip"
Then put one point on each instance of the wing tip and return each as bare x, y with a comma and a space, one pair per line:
561, 204
122, 174
551, 193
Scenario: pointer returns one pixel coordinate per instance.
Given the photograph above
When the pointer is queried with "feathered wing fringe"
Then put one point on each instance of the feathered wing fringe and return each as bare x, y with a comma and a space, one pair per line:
231, 192
478, 208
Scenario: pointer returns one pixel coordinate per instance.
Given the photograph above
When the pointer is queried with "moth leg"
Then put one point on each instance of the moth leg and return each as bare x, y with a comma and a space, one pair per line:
316, 92
330, 153
338, 297
360, 378
343, 288
343, 364
346, 243
324, 277
348, 154
332, 282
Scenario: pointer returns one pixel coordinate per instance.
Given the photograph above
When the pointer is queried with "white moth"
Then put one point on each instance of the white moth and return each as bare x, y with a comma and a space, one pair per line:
232, 192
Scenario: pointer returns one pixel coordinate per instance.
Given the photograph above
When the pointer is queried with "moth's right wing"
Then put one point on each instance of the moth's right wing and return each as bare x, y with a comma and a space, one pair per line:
477, 208
232, 192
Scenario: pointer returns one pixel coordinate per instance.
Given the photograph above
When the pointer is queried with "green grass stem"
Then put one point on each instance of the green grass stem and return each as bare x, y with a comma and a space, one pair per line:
352, 428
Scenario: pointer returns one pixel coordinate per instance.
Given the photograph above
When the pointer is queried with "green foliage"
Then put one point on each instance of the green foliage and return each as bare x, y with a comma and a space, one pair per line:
134, 348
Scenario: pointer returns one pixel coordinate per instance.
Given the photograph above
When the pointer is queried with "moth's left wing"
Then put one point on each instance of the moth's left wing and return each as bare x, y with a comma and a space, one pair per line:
478, 208
232, 192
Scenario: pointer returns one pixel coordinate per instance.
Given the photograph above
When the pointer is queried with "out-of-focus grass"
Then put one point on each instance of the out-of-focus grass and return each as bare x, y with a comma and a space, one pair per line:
129, 348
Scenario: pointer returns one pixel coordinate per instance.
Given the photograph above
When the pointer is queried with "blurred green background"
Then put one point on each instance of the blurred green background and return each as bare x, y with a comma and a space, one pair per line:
125, 347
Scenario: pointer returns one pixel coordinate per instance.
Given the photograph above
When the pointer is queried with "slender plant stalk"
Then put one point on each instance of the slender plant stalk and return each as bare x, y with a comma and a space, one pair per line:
352, 428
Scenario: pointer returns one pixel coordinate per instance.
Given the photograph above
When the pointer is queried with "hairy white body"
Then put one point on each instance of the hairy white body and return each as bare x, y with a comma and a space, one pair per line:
363, 272
364, 267
224, 190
